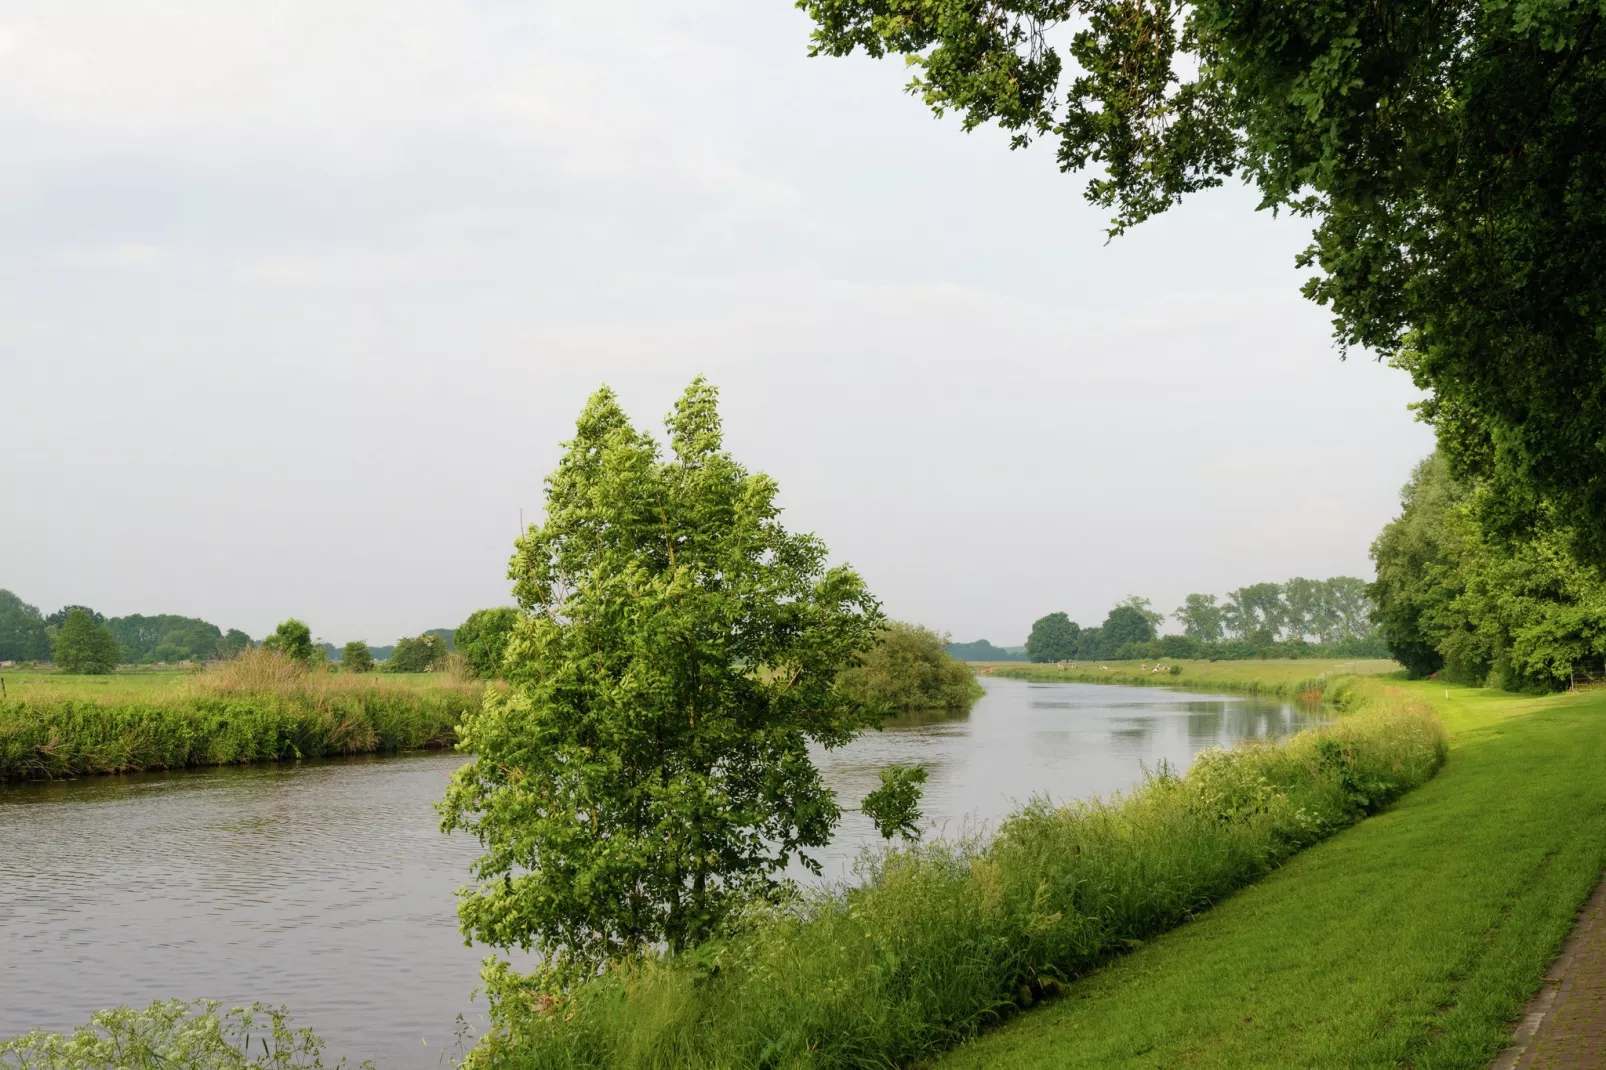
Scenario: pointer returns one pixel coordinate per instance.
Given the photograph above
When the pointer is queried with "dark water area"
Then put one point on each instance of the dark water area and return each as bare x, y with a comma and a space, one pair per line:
326, 886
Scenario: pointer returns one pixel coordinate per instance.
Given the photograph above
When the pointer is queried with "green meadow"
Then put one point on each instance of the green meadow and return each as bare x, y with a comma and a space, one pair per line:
1410, 939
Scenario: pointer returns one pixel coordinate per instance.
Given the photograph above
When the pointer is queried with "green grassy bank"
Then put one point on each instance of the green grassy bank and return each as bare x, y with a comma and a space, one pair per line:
257, 710
1411, 939
1328, 679
941, 941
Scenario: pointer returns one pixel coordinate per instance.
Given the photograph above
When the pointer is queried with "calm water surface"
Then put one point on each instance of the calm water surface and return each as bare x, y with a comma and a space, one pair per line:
327, 887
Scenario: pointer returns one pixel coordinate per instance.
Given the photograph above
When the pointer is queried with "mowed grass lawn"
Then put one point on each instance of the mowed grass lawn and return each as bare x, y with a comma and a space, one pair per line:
1411, 939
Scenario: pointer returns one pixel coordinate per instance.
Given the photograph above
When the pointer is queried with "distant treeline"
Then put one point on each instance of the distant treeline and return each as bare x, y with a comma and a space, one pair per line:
1299, 618
26, 634
982, 650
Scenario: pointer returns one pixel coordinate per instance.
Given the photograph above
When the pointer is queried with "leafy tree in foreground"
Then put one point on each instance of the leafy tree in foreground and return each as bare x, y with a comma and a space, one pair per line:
293, 639
1053, 638
483, 639
356, 657
647, 771
910, 669
23, 635
1453, 156
1200, 617
416, 654
84, 646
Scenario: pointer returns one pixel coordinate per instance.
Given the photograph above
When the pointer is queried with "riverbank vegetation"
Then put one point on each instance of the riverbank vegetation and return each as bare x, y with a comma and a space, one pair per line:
259, 707
1331, 680
910, 669
1413, 939
165, 1035
940, 941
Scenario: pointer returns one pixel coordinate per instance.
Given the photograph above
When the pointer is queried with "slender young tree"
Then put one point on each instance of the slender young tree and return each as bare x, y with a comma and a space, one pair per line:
647, 771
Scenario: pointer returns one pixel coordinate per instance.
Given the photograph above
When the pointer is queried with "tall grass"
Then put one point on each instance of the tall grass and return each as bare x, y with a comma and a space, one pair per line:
940, 941
259, 707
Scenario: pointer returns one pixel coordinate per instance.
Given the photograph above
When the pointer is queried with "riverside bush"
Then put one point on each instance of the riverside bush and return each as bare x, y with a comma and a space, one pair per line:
941, 940
910, 669
263, 707
173, 1034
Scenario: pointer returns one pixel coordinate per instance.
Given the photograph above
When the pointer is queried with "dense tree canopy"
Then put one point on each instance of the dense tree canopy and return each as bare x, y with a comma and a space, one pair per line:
293, 639
1450, 154
356, 657
1131, 621
1514, 612
85, 645
167, 637
23, 636
647, 770
483, 639
1053, 638
417, 653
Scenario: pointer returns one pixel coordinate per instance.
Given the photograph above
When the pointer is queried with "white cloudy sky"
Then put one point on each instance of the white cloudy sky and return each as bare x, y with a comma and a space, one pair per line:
297, 300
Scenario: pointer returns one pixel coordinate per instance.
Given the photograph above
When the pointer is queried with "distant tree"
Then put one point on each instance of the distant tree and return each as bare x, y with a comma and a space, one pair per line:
483, 638
1303, 605
445, 635
982, 650
1146, 607
1347, 600
1128, 622
293, 639
23, 636
84, 646
1053, 638
1200, 617
356, 657
166, 637
909, 669
234, 642
59, 617
416, 654
1090, 644
1254, 614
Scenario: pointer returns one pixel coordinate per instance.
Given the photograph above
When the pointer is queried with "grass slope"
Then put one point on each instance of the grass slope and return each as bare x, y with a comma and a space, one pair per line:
1412, 938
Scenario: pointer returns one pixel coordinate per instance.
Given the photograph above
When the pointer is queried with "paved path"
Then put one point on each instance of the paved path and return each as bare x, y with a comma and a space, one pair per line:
1565, 1024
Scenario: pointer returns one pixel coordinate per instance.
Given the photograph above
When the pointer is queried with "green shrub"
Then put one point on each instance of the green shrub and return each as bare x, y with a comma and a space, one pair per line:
173, 1034
942, 940
910, 669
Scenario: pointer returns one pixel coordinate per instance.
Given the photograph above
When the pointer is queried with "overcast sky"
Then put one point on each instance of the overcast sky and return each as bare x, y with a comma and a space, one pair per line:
298, 299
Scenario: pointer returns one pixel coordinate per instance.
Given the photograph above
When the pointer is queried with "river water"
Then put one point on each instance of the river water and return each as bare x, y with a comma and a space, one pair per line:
327, 887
